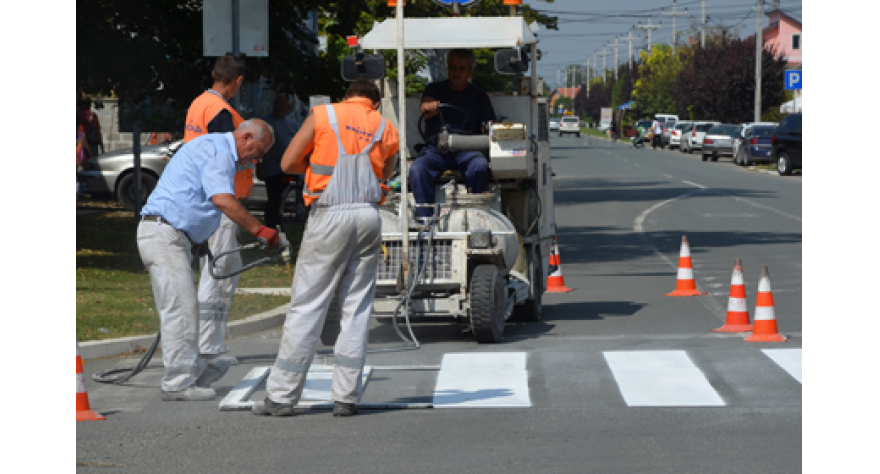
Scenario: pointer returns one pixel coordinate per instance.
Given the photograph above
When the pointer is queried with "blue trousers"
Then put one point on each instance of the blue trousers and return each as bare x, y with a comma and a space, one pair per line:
430, 164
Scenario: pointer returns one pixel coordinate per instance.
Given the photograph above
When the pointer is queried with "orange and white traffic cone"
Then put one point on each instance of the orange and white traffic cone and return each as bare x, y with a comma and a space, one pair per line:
685, 284
737, 310
83, 410
765, 329
555, 282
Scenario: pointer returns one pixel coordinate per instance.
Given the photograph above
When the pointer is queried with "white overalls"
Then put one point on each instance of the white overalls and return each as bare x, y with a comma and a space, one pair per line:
338, 257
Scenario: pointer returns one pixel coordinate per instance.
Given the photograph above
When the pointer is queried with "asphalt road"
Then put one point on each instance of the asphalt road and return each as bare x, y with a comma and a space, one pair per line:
616, 378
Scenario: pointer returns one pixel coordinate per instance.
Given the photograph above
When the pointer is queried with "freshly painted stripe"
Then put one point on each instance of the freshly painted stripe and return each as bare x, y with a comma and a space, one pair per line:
482, 380
661, 378
791, 360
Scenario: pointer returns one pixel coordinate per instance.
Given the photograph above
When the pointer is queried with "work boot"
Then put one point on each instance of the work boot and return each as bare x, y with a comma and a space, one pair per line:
214, 371
190, 394
268, 407
345, 409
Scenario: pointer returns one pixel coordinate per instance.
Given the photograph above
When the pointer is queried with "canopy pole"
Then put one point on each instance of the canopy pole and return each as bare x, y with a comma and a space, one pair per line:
401, 131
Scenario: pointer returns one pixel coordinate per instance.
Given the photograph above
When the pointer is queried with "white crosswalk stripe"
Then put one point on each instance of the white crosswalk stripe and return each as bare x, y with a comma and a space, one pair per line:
661, 378
482, 380
789, 359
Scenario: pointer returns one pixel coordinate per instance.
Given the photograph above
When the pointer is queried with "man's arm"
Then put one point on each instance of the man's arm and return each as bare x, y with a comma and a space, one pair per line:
221, 123
229, 205
294, 159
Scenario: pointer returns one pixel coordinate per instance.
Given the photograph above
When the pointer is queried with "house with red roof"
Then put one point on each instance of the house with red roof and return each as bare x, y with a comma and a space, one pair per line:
784, 35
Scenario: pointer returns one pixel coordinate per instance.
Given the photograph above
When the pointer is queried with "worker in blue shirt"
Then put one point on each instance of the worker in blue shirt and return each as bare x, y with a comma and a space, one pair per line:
458, 91
181, 213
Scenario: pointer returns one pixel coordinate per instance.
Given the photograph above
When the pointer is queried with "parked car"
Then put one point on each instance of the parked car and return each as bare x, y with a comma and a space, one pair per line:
718, 141
667, 121
676, 133
554, 125
786, 143
112, 174
754, 145
570, 125
742, 130
694, 139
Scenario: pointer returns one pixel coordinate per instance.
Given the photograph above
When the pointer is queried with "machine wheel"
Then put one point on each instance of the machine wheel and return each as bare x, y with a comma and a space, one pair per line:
487, 300
332, 324
125, 189
530, 310
783, 164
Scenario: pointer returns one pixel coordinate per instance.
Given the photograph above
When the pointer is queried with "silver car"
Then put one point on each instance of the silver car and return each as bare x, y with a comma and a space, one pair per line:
112, 174
718, 141
694, 139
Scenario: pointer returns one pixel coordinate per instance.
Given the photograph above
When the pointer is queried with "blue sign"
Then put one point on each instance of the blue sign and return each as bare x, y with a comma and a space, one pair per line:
793, 80
464, 3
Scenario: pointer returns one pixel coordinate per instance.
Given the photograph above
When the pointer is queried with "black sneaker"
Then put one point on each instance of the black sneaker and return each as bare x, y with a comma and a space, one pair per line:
268, 407
345, 409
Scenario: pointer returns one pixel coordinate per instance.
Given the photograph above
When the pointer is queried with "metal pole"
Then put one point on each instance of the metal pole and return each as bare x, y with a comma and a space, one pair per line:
759, 47
401, 131
703, 27
138, 188
236, 25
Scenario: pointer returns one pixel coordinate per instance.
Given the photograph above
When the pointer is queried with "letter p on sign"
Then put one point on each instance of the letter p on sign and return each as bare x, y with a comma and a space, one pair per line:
793, 80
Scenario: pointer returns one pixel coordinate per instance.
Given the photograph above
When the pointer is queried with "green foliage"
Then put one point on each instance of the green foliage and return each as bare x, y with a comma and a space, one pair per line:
653, 90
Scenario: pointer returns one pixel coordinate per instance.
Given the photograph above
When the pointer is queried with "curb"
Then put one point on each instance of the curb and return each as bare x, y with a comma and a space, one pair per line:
127, 345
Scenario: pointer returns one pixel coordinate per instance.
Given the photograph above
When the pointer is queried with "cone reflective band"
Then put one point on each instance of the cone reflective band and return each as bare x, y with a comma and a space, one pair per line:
737, 308
83, 410
555, 282
765, 328
685, 284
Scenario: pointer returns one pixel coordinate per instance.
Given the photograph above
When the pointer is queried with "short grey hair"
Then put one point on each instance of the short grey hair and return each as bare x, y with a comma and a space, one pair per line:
464, 54
260, 128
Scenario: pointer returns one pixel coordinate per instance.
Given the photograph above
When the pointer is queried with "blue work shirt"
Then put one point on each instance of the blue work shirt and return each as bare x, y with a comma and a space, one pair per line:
201, 169
285, 129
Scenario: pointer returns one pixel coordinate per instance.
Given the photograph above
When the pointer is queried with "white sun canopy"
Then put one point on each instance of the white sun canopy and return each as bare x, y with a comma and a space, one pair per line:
451, 33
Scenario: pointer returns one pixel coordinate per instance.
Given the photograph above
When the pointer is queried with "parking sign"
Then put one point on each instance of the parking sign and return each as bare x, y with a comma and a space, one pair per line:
793, 80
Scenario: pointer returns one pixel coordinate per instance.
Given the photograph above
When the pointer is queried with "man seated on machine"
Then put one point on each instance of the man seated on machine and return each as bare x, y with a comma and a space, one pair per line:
470, 114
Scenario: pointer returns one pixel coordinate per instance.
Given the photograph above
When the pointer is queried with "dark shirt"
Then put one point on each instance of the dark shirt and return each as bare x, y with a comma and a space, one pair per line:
221, 123
472, 99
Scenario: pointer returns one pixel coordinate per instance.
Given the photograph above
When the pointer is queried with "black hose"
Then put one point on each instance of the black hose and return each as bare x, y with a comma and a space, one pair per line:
105, 376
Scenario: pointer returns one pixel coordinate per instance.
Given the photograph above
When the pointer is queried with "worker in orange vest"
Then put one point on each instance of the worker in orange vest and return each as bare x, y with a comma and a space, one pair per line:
352, 147
211, 113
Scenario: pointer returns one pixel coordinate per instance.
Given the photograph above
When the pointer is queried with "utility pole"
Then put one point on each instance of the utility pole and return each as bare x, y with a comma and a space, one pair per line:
674, 14
604, 55
703, 27
616, 45
759, 52
650, 29
629, 38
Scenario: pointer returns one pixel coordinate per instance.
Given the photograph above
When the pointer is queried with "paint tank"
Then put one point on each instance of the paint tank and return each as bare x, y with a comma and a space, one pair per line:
462, 212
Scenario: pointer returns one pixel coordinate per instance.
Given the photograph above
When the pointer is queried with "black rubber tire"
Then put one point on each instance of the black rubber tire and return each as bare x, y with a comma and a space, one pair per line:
783, 164
714, 157
487, 302
705, 157
690, 150
744, 161
125, 189
332, 324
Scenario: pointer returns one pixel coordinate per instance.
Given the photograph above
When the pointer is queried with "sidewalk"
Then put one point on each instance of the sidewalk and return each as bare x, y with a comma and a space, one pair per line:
256, 323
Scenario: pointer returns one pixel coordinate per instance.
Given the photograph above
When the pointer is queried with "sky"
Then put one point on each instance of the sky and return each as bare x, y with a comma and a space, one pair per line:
585, 26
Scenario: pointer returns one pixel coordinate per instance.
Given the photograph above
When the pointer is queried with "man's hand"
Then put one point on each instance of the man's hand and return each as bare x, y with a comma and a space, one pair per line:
268, 237
429, 107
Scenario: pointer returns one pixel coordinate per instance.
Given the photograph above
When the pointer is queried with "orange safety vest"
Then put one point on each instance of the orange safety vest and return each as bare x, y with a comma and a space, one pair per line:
358, 122
200, 113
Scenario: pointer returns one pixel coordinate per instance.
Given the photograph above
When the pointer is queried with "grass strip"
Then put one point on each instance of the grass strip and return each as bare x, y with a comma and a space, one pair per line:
114, 297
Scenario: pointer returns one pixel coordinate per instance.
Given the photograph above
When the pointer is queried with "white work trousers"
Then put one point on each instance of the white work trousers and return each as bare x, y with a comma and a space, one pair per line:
215, 296
339, 257
167, 255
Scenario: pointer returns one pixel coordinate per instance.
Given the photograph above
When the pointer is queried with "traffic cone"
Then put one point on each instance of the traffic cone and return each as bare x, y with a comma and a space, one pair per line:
83, 410
685, 284
765, 329
555, 282
737, 310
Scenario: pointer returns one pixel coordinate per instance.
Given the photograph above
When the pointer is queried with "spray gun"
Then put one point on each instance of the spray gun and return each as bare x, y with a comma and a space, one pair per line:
282, 252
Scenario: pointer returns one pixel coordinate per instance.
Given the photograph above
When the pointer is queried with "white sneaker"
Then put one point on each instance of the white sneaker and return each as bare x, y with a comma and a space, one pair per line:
190, 394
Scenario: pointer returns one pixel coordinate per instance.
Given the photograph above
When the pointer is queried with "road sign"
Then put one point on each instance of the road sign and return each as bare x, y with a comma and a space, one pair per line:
793, 80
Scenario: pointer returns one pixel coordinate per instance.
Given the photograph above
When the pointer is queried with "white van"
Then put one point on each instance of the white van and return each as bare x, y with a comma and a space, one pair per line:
667, 121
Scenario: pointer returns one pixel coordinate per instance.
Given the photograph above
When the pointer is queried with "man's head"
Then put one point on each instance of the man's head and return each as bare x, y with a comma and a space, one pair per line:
460, 64
253, 138
364, 88
281, 106
229, 72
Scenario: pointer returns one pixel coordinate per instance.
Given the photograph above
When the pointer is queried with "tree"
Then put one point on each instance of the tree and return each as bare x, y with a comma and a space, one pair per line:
719, 81
658, 70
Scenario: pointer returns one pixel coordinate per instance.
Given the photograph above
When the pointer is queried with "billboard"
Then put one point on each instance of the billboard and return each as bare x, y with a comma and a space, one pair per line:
606, 116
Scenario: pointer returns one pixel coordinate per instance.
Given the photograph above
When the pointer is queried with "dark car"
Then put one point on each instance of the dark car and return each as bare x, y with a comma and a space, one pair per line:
786, 142
756, 146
